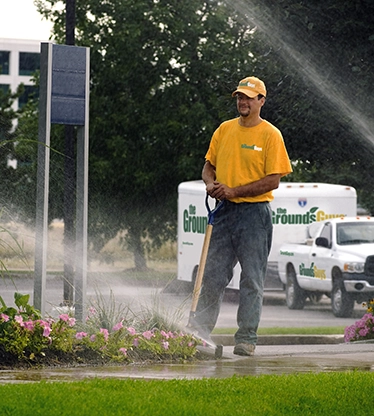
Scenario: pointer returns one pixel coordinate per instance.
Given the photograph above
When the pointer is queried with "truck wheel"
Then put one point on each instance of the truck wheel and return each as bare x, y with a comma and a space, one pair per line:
295, 296
315, 297
341, 301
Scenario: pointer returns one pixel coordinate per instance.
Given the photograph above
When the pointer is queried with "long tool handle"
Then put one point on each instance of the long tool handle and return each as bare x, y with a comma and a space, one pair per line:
203, 257
201, 268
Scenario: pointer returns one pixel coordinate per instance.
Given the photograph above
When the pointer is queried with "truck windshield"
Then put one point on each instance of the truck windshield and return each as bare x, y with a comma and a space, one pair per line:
355, 233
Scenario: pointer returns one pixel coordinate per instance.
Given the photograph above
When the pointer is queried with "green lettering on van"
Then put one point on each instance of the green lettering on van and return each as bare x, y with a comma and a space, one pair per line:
194, 223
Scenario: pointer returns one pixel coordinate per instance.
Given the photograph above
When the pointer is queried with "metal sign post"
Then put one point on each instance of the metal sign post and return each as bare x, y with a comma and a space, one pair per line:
64, 99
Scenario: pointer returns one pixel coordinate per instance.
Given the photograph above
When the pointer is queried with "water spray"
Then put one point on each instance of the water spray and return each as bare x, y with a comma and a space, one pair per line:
306, 64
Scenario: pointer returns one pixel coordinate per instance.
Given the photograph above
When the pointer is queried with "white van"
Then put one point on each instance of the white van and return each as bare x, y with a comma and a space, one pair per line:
295, 206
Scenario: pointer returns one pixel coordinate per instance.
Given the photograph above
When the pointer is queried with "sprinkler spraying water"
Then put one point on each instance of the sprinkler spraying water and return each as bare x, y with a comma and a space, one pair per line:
301, 54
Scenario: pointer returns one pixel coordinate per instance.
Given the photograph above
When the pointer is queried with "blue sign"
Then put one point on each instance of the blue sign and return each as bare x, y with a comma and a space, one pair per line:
68, 85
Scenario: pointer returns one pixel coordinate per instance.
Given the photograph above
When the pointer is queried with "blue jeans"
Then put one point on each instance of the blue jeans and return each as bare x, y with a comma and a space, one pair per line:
241, 232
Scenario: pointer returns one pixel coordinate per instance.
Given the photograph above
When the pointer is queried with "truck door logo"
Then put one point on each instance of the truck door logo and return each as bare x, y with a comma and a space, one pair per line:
302, 202
312, 271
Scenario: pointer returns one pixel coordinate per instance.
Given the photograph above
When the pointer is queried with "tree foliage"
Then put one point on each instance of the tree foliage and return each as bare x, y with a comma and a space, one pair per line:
162, 72
323, 106
7, 152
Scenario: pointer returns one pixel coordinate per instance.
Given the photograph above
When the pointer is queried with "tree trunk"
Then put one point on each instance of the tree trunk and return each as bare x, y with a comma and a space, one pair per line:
137, 247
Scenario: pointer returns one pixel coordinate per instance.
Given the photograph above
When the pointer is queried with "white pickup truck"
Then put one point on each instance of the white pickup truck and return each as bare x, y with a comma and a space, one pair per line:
337, 260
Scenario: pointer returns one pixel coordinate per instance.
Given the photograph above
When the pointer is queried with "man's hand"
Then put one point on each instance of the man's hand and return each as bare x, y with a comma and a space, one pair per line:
220, 191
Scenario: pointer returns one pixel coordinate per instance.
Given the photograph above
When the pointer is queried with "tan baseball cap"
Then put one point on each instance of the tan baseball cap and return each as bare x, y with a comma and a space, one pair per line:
251, 87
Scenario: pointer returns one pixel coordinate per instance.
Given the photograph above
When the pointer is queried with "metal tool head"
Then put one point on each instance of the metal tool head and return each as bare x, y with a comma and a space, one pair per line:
218, 352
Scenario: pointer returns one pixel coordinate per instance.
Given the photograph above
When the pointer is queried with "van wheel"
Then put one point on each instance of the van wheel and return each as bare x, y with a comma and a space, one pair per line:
342, 302
295, 296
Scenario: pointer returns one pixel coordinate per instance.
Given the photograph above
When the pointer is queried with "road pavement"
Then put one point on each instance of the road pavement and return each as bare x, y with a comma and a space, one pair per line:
275, 312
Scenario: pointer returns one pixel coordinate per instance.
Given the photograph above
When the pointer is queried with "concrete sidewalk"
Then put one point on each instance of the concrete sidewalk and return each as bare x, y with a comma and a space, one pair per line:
269, 359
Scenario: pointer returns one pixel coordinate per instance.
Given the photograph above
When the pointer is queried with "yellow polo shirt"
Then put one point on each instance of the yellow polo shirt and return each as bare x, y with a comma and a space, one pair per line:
242, 155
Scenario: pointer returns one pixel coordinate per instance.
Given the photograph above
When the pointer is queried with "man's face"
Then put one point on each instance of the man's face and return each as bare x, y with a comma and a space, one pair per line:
248, 106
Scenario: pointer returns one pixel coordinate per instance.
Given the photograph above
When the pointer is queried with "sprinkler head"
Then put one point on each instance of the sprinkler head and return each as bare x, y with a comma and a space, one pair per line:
218, 352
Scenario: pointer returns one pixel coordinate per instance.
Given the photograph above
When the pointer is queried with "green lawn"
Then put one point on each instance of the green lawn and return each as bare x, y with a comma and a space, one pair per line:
318, 330
329, 394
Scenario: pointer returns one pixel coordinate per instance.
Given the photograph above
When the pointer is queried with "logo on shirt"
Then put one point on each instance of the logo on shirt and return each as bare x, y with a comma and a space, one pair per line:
253, 147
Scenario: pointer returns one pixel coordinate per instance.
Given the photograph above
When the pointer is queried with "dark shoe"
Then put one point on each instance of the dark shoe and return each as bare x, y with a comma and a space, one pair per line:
244, 349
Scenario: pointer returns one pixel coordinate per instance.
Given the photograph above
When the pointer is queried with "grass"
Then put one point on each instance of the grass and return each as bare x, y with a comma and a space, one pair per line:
318, 330
330, 394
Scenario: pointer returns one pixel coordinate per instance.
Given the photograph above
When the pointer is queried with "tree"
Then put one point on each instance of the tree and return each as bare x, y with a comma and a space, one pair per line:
8, 117
162, 73
323, 103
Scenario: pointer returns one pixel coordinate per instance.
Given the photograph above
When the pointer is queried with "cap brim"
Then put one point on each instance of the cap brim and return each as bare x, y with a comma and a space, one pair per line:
250, 94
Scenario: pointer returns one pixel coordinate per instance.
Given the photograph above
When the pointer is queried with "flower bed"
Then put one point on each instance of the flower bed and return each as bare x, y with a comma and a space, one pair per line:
363, 329
26, 338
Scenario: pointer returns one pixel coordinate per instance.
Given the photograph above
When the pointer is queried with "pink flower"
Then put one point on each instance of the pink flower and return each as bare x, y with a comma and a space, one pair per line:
4, 317
19, 319
148, 334
118, 326
80, 335
46, 331
46, 327
93, 338
363, 332
136, 342
123, 351
131, 330
64, 317
165, 344
71, 322
29, 325
105, 333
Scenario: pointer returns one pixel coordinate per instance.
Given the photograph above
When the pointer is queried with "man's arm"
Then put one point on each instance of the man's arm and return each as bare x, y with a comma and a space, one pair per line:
208, 175
221, 191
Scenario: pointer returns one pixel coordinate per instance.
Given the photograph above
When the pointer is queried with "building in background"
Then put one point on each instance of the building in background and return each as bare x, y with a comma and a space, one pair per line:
19, 59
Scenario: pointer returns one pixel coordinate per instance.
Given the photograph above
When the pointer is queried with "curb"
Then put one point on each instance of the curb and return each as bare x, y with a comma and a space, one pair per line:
228, 340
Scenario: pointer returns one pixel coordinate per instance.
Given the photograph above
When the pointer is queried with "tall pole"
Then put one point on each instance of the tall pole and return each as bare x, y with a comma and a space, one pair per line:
70, 184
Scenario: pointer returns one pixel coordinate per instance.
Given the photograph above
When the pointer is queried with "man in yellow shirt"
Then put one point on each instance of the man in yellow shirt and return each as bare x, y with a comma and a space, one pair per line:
244, 163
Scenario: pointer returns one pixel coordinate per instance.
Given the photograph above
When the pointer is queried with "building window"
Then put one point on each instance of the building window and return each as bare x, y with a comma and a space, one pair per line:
4, 88
28, 63
30, 91
4, 62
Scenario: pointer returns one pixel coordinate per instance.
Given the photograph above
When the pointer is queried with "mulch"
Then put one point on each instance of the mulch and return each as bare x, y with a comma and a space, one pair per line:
86, 357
